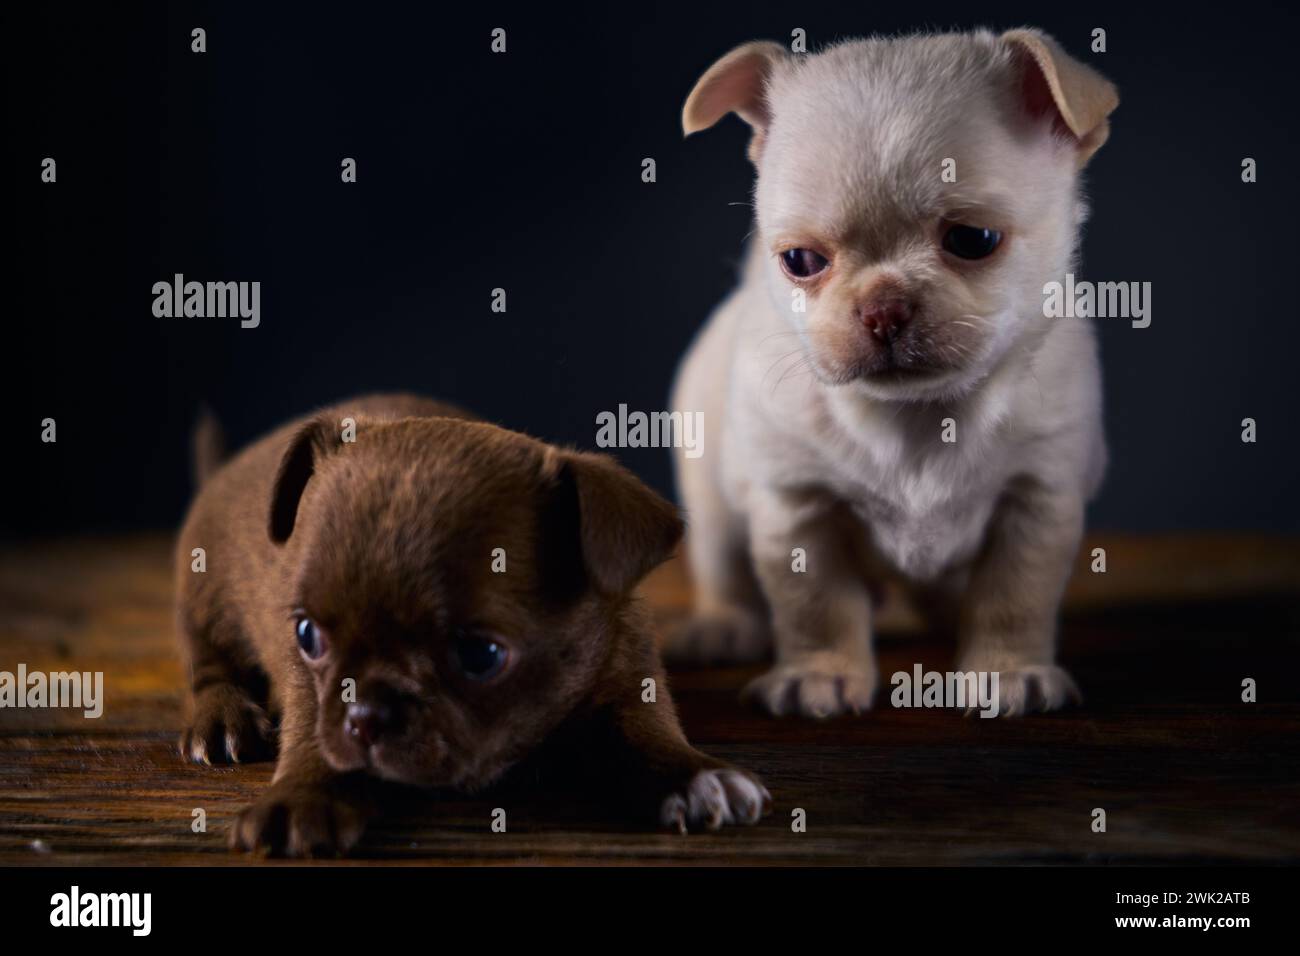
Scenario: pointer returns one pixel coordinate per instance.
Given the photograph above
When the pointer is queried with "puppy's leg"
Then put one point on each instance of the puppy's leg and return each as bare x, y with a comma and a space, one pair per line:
309, 810
729, 619
660, 775
226, 723
821, 608
1008, 615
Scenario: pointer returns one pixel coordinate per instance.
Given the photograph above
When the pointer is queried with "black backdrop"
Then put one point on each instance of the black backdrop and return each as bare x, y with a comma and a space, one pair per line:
523, 171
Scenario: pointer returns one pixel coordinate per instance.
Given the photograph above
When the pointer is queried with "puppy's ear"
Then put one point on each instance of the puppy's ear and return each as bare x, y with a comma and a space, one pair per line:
314, 440
735, 84
623, 528
1053, 81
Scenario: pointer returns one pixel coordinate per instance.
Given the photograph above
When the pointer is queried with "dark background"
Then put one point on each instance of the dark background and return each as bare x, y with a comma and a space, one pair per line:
523, 171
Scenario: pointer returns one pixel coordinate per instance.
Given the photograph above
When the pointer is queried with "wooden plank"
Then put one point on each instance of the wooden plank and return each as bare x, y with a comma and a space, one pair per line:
1185, 770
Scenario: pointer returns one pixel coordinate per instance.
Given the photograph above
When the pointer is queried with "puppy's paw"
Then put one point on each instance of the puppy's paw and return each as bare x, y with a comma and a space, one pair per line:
301, 820
1040, 687
713, 798
227, 728
730, 635
817, 689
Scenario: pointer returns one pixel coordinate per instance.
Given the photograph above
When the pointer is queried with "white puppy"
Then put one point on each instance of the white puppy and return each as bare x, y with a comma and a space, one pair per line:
892, 399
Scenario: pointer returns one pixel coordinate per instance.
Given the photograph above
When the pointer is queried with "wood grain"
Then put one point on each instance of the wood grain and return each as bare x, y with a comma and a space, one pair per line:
1160, 644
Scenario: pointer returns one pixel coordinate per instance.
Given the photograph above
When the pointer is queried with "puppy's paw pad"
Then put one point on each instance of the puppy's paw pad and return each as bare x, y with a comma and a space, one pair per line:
719, 637
1037, 688
820, 691
298, 822
713, 798
227, 728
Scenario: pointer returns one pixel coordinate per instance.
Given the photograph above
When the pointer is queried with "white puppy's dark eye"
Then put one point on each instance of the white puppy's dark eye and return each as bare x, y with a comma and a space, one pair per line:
802, 263
971, 242
310, 641
480, 658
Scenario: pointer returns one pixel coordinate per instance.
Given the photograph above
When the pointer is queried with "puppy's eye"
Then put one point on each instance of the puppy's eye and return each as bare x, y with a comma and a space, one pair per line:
971, 242
310, 640
480, 658
802, 263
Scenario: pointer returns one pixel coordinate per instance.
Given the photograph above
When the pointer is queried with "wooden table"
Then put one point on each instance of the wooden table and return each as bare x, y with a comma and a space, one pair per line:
1185, 770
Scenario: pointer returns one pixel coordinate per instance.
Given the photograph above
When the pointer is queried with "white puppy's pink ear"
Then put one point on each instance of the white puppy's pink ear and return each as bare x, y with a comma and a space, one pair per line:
737, 83
1080, 96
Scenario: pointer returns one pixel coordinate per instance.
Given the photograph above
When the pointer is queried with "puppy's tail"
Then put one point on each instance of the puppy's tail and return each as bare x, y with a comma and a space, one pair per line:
208, 446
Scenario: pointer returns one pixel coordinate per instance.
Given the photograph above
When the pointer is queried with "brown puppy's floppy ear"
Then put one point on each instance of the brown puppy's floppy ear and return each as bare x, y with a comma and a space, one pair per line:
624, 528
737, 83
316, 438
1053, 80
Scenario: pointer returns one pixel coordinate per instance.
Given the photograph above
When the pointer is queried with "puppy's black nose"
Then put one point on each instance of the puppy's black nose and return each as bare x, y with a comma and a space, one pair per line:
369, 719
886, 319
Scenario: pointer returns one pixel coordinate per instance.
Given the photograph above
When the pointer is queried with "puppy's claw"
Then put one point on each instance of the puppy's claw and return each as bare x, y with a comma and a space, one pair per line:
194, 748
1038, 689
673, 813
819, 691
707, 801
714, 798
299, 821
227, 727
1034, 688
749, 800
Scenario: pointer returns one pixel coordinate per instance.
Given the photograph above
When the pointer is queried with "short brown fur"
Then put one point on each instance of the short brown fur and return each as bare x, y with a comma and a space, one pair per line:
386, 544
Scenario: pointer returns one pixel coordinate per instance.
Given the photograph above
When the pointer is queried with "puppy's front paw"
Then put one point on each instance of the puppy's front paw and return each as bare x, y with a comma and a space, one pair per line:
227, 728
1041, 687
818, 689
712, 798
731, 635
301, 820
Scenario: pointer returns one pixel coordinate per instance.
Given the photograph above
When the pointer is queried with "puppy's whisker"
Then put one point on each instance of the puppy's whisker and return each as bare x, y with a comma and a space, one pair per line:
778, 361
775, 335
800, 368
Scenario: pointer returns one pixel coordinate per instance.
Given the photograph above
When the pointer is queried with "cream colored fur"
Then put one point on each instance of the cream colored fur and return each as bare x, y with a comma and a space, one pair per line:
814, 453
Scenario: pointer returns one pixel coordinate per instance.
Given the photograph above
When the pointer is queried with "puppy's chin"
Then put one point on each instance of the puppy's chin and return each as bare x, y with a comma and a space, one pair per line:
908, 385
884, 379
429, 766
389, 761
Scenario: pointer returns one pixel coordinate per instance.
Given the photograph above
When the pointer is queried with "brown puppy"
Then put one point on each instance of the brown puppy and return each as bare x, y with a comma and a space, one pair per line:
425, 598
